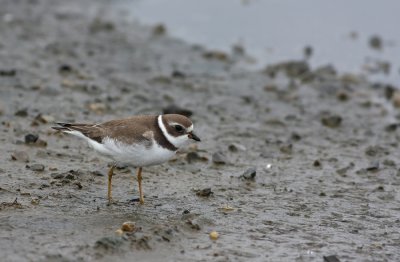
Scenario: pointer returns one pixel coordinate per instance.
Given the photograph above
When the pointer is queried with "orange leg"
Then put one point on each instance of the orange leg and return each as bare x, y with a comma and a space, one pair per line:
110, 174
139, 179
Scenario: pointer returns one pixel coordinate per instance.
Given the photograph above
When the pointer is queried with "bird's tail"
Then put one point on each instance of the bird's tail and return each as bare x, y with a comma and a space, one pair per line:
63, 127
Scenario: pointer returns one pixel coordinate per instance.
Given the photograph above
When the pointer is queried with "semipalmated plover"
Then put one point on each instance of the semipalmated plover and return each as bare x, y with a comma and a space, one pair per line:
137, 141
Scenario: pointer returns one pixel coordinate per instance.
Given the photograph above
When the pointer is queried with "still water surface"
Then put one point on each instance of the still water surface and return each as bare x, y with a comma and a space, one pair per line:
276, 30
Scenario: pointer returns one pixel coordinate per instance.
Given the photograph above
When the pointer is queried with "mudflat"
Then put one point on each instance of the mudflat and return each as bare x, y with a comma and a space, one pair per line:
295, 163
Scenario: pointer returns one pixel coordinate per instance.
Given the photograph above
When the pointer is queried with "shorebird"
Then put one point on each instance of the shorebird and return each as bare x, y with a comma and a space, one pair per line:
138, 141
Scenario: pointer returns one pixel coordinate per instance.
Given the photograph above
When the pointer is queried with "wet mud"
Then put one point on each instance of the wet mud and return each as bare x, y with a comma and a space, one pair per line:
295, 163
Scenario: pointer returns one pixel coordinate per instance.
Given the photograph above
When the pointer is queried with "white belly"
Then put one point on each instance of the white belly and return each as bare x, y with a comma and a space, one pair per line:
134, 155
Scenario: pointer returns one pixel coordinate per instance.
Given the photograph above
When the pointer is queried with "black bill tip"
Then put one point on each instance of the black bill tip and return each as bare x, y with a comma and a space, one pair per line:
194, 137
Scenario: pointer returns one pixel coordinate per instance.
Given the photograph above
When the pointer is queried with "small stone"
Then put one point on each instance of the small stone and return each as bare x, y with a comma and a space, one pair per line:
174, 109
286, 148
342, 96
193, 224
36, 167
217, 55
389, 162
396, 99
70, 177
35, 201
227, 208
389, 91
128, 226
391, 127
8, 72
185, 212
236, 147
22, 112
43, 119
249, 174
219, 158
308, 51
31, 138
238, 50
332, 121
64, 69
57, 176
159, 29
375, 42
317, 163
375, 151
194, 157
109, 243
206, 192
20, 156
331, 258
97, 107
214, 235
373, 166
178, 74
119, 232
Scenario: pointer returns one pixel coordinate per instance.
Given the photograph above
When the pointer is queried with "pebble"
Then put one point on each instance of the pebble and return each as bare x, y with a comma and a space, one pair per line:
20, 156
332, 121
249, 174
375, 42
331, 258
373, 166
31, 138
43, 119
391, 127
317, 163
97, 107
109, 243
193, 157
217, 55
308, 51
206, 192
64, 69
119, 232
178, 74
57, 176
286, 148
159, 29
219, 158
22, 112
396, 99
389, 91
128, 226
236, 147
36, 167
214, 235
292, 69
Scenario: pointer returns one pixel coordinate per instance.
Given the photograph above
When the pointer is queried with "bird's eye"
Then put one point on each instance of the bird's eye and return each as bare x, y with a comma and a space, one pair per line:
178, 128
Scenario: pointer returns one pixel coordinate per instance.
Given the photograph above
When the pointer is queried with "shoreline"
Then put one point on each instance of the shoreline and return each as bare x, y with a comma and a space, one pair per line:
324, 148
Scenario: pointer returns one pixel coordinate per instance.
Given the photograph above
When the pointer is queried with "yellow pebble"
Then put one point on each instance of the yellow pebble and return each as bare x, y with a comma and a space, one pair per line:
128, 226
119, 232
214, 235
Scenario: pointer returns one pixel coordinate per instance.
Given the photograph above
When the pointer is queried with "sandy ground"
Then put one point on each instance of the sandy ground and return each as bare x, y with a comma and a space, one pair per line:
324, 146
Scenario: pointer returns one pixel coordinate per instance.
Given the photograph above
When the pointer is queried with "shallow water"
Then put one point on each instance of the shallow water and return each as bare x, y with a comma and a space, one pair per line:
273, 31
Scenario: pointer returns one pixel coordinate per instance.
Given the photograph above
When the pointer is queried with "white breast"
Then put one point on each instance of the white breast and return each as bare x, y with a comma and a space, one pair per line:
138, 155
